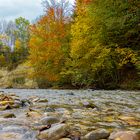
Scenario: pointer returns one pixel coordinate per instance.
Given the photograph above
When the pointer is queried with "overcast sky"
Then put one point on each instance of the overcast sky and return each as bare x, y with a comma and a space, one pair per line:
29, 9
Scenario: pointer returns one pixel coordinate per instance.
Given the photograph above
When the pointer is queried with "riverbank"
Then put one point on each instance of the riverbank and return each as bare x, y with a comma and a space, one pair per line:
70, 114
22, 78
19, 77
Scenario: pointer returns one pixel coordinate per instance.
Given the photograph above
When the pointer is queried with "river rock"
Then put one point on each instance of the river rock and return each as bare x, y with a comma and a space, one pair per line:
9, 115
6, 107
33, 114
70, 93
10, 136
49, 120
15, 106
15, 129
25, 102
9, 102
65, 139
12, 94
4, 97
97, 135
49, 109
42, 100
130, 120
55, 133
15, 97
75, 133
40, 127
88, 105
3, 103
34, 99
123, 135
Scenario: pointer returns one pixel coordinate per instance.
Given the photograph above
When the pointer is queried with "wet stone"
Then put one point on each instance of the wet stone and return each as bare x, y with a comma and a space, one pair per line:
15, 129
70, 93
97, 135
42, 100
11, 136
81, 115
55, 133
65, 139
49, 109
88, 105
49, 120
9, 115
123, 135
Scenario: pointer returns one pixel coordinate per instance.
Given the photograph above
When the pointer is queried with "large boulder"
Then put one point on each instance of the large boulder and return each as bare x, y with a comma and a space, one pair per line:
97, 135
16, 132
123, 135
8, 101
9, 115
15, 129
54, 133
10, 136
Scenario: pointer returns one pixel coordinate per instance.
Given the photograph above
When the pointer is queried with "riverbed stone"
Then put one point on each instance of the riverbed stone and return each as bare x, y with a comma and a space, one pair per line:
15, 129
65, 139
9, 115
3, 103
130, 120
6, 107
34, 114
10, 136
123, 135
43, 100
97, 135
70, 93
9, 102
13, 94
25, 102
55, 133
88, 105
49, 109
113, 112
49, 120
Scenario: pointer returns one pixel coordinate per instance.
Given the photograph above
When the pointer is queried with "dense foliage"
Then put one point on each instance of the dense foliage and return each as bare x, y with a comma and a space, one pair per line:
96, 46
105, 43
14, 38
48, 45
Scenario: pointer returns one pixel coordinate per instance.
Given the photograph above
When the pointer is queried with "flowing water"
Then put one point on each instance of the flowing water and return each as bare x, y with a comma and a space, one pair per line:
86, 109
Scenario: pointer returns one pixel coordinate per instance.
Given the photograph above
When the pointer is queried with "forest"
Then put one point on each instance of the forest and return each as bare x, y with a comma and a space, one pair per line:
91, 44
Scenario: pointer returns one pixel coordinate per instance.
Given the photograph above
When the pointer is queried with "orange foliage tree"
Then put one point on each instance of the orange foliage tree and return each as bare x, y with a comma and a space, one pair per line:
47, 42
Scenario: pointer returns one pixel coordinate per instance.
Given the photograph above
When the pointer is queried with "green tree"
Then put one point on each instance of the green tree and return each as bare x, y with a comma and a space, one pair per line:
22, 30
98, 34
22, 39
119, 20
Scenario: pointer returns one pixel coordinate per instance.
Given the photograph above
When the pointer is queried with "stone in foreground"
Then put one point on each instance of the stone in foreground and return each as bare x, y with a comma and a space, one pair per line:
97, 135
49, 120
55, 133
123, 135
10, 136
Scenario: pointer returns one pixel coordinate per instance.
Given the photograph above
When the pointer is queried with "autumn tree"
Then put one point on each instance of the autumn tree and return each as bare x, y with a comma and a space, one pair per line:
96, 57
119, 22
47, 43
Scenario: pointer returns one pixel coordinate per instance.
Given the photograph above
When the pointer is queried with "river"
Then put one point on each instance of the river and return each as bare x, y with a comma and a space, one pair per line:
85, 109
